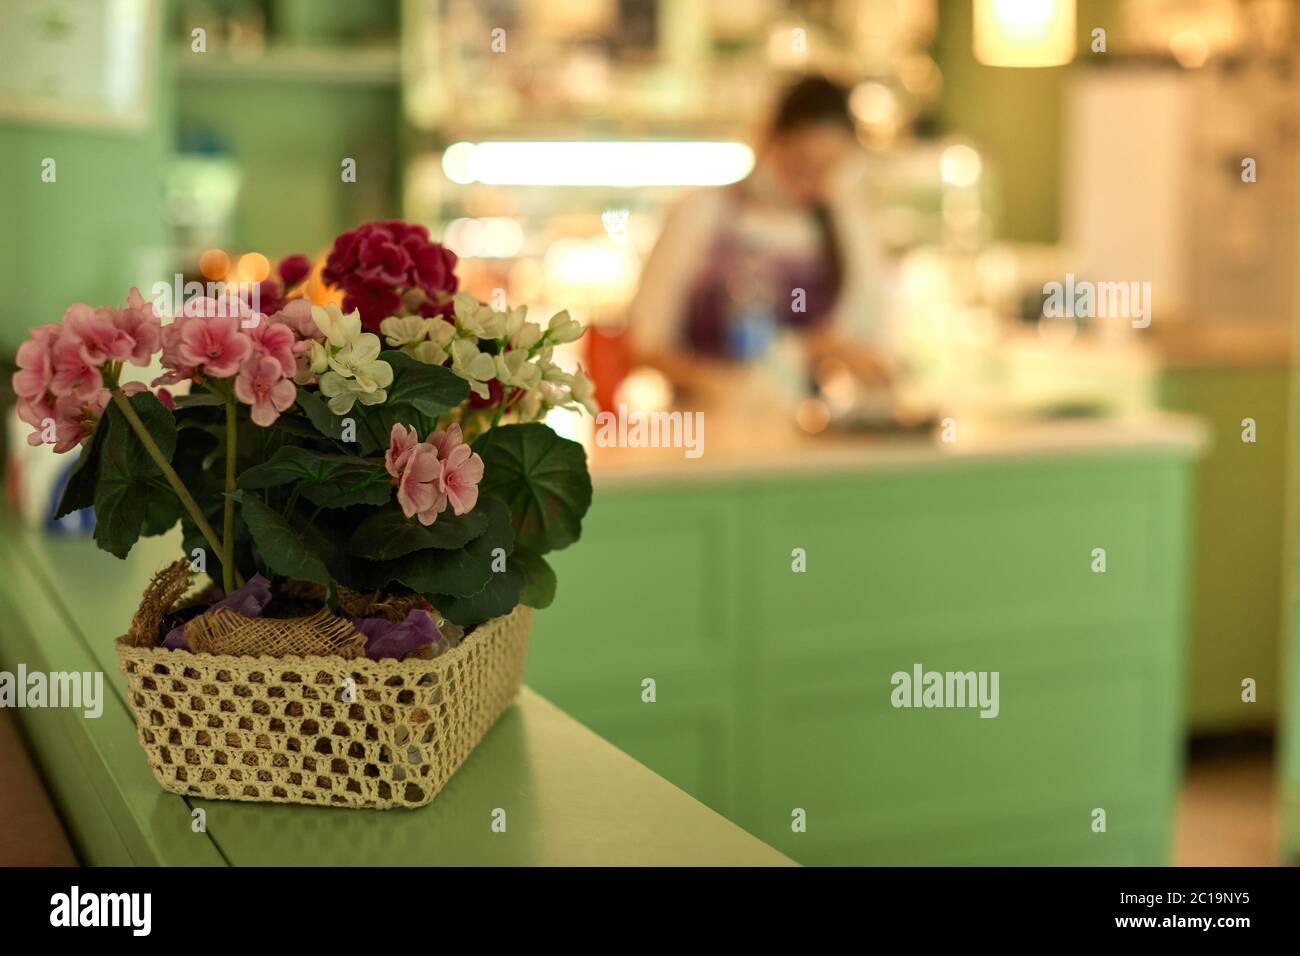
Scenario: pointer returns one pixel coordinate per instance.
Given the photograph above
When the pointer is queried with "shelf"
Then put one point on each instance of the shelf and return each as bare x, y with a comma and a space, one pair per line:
375, 66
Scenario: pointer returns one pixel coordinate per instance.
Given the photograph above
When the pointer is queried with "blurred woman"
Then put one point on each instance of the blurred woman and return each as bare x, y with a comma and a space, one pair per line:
784, 249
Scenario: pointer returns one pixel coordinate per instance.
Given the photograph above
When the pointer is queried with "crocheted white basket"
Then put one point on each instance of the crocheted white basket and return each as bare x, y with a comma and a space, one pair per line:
324, 730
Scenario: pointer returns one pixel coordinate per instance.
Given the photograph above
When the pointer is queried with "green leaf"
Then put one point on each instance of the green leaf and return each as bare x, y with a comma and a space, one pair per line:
462, 571
388, 533
162, 509
122, 493
374, 424
542, 478
195, 399
430, 389
319, 414
539, 579
499, 596
279, 545
326, 479
298, 427
371, 425
79, 492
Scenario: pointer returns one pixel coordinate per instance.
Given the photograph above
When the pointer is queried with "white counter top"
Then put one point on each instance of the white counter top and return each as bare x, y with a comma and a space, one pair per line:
732, 449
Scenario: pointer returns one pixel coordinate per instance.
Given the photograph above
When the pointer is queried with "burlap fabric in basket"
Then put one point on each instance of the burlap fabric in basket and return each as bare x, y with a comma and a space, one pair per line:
333, 729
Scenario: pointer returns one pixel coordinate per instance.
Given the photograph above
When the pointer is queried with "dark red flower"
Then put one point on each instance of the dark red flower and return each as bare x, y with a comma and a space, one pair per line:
343, 257
293, 269
433, 267
376, 263
383, 261
268, 296
433, 309
375, 301
265, 297
495, 392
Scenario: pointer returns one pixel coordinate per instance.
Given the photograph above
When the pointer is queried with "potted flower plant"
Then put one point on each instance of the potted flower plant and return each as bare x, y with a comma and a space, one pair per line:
367, 485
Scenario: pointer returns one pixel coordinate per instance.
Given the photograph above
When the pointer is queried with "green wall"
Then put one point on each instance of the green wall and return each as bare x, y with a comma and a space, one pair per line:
1015, 116
290, 129
290, 137
1238, 589
89, 235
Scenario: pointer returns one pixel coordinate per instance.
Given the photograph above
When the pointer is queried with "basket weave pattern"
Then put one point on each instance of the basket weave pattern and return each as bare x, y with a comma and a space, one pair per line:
296, 730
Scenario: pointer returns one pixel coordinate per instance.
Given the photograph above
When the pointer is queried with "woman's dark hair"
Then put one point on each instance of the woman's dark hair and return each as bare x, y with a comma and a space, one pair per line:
813, 101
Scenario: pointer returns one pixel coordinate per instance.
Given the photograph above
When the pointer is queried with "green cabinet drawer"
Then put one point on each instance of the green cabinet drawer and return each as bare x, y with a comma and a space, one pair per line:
928, 556
1133, 841
878, 779
650, 594
651, 587
773, 687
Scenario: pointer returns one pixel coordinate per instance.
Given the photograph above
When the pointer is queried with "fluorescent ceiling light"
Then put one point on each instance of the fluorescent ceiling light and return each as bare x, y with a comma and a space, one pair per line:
657, 163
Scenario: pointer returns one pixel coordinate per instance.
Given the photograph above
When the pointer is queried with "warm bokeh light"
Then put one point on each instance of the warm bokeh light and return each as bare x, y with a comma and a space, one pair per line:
812, 415
590, 272
253, 267
1024, 33
921, 76
645, 390
317, 291
214, 264
495, 237
873, 103
630, 164
960, 165
1189, 48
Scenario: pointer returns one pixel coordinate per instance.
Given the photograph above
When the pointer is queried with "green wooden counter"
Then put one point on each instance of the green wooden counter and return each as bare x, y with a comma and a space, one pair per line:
569, 797
772, 686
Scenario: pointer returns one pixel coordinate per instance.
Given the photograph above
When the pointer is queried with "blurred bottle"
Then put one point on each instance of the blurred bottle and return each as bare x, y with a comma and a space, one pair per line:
608, 359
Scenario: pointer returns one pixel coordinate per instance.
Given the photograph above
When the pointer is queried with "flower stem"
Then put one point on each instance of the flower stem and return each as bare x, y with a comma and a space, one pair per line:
228, 513
196, 514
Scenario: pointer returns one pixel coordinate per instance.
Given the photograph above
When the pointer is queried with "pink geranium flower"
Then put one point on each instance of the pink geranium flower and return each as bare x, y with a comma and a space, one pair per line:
261, 384
74, 373
74, 420
35, 361
177, 369
461, 472
64, 423
37, 413
440, 471
296, 314
401, 442
216, 346
419, 490
229, 304
140, 322
447, 441
277, 341
100, 339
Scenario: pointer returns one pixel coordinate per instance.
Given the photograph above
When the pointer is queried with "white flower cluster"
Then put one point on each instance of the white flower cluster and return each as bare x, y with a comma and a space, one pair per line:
520, 359
347, 361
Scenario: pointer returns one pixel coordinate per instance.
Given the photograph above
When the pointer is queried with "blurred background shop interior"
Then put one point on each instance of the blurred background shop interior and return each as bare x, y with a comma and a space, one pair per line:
983, 150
